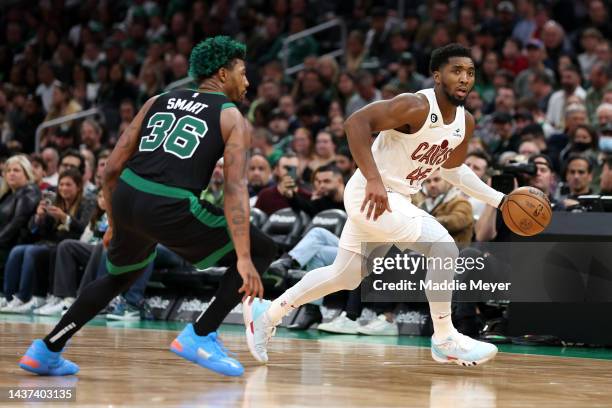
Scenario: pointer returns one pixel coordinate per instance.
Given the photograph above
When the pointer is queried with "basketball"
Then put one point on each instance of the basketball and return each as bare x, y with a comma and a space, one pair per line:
527, 211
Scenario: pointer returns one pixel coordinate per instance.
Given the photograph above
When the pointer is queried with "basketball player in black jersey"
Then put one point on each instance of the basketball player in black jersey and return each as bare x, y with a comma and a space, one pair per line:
153, 179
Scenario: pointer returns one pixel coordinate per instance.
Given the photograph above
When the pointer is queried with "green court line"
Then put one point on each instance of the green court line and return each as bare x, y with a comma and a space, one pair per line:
409, 341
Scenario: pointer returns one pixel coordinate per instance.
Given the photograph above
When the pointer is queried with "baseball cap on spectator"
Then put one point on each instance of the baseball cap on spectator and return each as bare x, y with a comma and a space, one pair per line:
534, 43
502, 117
505, 7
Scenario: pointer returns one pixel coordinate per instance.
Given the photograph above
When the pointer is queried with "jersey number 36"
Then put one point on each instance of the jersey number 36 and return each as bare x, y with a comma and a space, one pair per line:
181, 139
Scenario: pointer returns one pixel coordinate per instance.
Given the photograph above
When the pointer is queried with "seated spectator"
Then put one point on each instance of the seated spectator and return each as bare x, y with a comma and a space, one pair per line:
39, 168
51, 158
583, 140
324, 153
578, 176
346, 163
605, 139
449, 207
303, 146
503, 139
62, 104
278, 125
575, 115
336, 128
259, 176
55, 220
570, 85
19, 196
328, 192
91, 135
262, 143
310, 118
273, 198
366, 93
535, 70
407, 79
603, 113
528, 148
605, 183
214, 192
512, 59
89, 159
71, 258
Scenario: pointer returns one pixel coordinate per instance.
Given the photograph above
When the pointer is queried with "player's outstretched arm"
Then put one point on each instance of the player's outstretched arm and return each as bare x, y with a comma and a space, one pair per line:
457, 173
123, 151
236, 197
404, 109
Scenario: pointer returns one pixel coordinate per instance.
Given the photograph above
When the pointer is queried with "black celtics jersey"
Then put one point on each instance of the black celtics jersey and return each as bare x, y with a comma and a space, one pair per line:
180, 139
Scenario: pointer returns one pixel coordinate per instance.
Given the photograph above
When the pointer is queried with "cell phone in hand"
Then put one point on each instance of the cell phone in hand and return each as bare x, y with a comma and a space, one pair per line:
48, 198
292, 172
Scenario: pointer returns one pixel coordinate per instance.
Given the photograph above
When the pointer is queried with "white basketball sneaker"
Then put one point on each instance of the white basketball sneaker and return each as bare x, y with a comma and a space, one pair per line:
462, 350
340, 324
259, 328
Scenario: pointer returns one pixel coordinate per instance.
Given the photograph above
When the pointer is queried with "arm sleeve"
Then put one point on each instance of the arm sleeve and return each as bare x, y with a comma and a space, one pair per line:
465, 179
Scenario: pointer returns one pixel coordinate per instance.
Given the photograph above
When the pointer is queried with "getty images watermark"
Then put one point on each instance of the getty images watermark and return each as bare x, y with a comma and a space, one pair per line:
480, 272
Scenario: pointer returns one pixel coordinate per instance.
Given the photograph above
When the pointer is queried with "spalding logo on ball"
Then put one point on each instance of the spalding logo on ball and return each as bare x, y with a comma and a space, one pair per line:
527, 211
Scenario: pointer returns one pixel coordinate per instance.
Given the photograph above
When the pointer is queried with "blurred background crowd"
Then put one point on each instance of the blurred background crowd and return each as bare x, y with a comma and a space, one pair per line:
542, 102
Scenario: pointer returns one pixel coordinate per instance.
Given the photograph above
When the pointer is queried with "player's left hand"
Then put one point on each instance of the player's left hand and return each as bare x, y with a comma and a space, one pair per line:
251, 286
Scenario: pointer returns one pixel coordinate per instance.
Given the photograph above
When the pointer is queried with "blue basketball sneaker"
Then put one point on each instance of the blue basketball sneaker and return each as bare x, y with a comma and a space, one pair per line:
259, 329
462, 350
206, 351
38, 359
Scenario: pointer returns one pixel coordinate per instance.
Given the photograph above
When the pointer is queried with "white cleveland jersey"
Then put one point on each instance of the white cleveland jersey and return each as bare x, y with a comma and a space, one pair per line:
405, 160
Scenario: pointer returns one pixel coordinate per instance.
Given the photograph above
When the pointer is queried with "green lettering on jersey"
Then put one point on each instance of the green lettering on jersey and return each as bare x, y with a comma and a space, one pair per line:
185, 138
182, 141
161, 123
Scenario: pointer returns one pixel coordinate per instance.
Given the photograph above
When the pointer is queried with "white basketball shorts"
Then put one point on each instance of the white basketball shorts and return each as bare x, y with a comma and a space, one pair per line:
403, 224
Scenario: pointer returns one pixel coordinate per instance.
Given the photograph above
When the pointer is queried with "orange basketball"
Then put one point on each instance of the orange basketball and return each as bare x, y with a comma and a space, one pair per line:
527, 211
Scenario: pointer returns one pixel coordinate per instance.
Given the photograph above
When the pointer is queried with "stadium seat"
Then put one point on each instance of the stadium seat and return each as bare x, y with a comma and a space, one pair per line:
332, 220
258, 217
285, 227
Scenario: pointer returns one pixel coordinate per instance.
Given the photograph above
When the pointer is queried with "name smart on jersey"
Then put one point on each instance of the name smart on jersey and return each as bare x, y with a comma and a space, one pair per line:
186, 105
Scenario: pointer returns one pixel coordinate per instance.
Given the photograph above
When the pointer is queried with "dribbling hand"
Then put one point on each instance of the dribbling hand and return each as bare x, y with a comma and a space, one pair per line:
376, 199
251, 282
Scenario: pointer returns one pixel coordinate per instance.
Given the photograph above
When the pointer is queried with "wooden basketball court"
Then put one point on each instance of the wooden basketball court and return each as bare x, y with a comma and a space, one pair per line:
133, 367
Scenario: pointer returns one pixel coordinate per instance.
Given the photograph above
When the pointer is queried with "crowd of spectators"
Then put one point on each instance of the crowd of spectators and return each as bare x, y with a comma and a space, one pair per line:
543, 95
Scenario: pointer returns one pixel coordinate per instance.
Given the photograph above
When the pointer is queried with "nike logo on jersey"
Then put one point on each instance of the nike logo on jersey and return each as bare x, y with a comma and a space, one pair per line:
186, 105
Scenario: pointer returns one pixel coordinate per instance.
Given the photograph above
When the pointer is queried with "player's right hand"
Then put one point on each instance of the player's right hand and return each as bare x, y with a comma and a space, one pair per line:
376, 199
251, 281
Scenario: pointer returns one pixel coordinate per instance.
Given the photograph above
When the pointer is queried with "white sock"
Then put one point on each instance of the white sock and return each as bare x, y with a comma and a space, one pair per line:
344, 273
441, 318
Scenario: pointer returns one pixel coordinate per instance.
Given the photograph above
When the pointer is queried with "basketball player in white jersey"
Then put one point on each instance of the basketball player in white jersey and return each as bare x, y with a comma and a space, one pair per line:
419, 133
